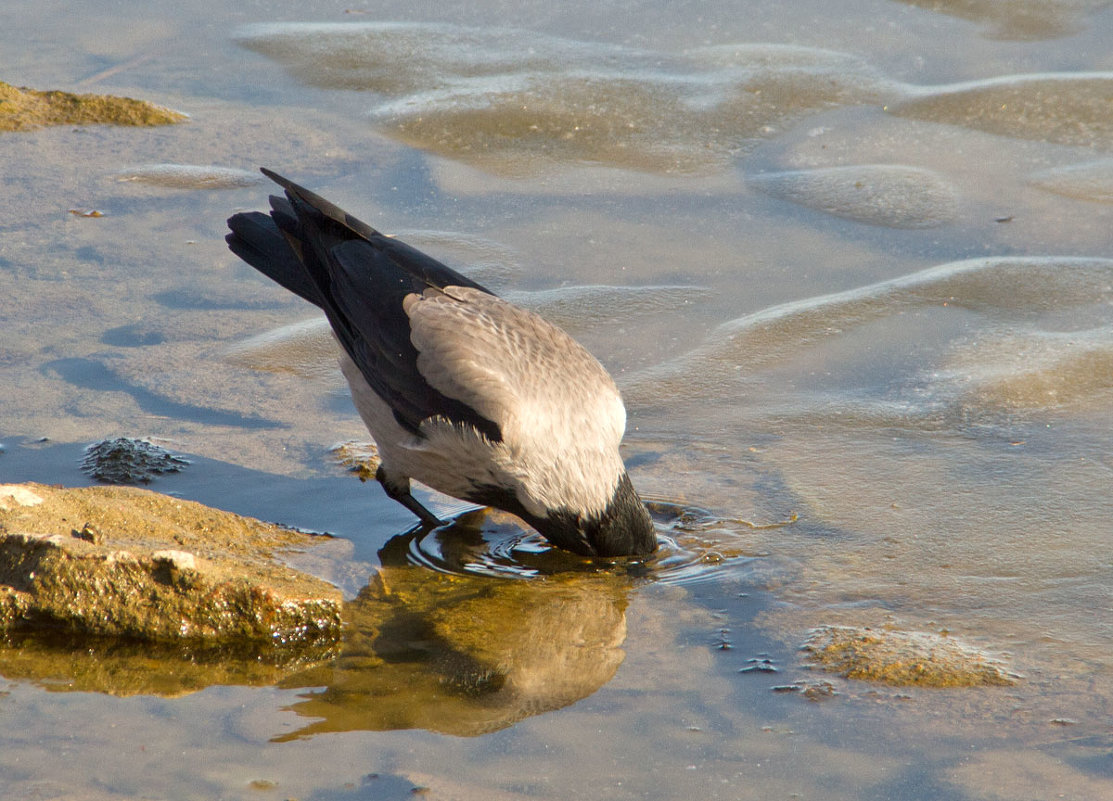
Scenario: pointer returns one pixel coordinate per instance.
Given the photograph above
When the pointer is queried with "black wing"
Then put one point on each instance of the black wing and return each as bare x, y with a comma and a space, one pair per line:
358, 277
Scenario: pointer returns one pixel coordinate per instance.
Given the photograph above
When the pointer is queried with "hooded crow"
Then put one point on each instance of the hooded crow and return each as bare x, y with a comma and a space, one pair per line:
461, 390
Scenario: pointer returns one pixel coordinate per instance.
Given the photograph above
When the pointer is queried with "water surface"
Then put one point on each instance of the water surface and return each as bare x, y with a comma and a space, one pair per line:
851, 267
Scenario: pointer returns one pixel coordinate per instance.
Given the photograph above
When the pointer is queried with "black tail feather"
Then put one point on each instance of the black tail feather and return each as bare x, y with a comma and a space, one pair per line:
256, 239
323, 207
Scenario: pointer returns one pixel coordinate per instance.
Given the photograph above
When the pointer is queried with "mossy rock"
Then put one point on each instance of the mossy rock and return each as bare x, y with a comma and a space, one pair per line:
126, 562
23, 109
124, 460
903, 658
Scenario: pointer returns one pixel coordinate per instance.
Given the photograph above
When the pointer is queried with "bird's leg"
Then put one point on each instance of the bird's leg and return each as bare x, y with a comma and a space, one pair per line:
400, 491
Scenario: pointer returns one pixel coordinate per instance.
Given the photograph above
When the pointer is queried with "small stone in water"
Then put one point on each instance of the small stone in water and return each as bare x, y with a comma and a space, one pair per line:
190, 176
129, 461
88, 533
361, 458
813, 691
759, 665
903, 658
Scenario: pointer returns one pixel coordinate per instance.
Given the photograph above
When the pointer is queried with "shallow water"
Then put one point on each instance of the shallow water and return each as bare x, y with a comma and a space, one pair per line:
850, 264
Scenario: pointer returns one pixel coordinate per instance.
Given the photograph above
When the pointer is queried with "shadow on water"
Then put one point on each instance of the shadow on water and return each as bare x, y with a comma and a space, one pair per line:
91, 374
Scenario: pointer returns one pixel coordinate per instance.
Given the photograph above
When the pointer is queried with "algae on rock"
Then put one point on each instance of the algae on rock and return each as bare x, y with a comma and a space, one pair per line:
903, 658
121, 561
23, 109
124, 460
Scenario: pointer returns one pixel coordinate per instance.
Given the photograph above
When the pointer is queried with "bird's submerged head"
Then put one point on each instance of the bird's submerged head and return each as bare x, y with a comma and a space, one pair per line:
624, 528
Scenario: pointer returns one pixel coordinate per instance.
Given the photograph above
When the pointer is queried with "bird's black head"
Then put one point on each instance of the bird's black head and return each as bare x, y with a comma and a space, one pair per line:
623, 529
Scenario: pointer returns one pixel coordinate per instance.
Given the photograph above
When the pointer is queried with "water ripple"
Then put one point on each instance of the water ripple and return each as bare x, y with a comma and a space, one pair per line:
694, 546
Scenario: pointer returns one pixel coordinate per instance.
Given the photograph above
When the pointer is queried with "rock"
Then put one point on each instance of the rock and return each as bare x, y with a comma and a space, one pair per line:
361, 458
121, 561
903, 658
190, 176
893, 195
129, 461
13, 495
22, 109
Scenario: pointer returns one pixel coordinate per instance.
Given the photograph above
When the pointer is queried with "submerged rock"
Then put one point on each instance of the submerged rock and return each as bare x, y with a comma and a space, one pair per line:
190, 176
1032, 369
308, 348
892, 195
402, 57
1007, 289
361, 458
582, 307
903, 658
23, 109
127, 562
129, 461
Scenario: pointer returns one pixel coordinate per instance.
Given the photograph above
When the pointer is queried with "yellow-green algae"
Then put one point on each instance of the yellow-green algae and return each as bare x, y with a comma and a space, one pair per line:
121, 561
23, 109
361, 458
903, 658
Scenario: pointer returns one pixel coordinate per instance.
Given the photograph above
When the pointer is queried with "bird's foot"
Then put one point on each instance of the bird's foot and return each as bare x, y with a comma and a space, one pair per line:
401, 492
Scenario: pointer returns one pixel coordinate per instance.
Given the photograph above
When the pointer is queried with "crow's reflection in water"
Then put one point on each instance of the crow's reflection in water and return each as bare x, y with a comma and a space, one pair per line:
467, 628
466, 654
